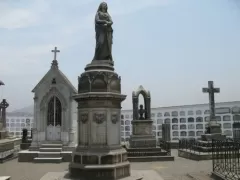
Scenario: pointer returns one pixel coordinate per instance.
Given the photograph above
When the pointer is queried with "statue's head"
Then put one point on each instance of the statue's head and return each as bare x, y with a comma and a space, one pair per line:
141, 106
103, 7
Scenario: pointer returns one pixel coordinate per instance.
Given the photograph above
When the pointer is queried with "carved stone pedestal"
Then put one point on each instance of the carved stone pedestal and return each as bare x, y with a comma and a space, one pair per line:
99, 154
142, 134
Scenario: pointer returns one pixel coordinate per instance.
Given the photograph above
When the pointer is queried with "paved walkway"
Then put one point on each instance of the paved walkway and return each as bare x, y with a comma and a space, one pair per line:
168, 170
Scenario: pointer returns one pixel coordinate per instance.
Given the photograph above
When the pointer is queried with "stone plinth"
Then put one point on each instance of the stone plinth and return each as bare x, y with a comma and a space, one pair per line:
99, 154
142, 134
9, 149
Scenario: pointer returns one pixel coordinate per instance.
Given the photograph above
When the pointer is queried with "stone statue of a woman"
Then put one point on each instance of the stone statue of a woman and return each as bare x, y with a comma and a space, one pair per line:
104, 33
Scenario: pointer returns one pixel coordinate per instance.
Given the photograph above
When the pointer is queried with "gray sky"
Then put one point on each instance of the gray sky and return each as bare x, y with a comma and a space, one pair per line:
171, 47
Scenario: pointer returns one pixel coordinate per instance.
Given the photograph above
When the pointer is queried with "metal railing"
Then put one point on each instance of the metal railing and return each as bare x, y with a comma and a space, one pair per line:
226, 159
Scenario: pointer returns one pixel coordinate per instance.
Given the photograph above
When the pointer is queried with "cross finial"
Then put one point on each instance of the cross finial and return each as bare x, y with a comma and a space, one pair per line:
55, 51
54, 62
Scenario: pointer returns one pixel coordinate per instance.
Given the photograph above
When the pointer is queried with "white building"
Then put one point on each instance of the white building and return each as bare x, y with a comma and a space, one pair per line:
15, 122
187, 120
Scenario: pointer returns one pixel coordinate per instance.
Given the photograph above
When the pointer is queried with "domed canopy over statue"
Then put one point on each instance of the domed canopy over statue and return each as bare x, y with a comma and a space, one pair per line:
104, 33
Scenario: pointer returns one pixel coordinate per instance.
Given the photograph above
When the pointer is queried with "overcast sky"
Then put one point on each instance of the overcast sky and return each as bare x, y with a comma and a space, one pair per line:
171, 47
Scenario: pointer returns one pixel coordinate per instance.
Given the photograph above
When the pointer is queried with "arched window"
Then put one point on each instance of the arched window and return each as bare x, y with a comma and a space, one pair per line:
159, 115
54, 113
190, 113
127, 122
182, 113
190, 120
127, 128
199, 119
167, 121
159, 121
183, 120
199, 126
183, 126
227, 118
236, 118
174, 120
183, 133
199, 133
191, 126
227, 125
191, 133
175, 127
175, 133
166, 114
174, 113
198, 112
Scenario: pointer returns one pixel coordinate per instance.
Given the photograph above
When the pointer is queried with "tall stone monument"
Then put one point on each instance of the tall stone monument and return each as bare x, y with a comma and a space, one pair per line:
213, 131
99, 154
3, 106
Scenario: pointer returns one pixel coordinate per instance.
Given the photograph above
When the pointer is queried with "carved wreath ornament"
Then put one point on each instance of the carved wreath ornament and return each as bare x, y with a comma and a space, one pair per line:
99, 118
84, 118
114, 118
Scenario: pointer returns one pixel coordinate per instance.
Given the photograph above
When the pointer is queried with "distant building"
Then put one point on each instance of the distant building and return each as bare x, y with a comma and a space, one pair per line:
187, 121
15, 122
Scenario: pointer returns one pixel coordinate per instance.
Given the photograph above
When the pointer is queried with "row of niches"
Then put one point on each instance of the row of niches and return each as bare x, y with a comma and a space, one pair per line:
19, 125
198, 119
27, 120
190, 119
196, 133
197, 126
222, 110
17, 129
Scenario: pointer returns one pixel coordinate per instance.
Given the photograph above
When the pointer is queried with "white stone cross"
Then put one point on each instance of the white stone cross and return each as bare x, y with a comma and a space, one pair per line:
55, 51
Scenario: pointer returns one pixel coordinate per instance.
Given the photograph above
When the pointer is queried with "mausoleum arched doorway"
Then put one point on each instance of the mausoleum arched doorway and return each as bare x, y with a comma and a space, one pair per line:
54, 119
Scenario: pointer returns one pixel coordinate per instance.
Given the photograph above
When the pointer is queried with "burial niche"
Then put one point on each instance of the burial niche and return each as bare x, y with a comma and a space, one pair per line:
143, 111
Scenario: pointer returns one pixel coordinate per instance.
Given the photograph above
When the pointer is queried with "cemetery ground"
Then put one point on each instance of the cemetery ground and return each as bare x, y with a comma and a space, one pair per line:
171, 170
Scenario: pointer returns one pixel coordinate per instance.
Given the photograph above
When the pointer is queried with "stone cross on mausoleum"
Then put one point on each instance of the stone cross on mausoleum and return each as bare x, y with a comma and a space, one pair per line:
211, 90
54, 62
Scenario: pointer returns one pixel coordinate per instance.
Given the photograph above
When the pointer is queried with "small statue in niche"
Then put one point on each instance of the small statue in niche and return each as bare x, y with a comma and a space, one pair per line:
142, 113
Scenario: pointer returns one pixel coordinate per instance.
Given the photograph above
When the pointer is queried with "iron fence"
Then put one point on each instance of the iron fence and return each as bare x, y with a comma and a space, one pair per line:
166, 146
195, 146
226, 159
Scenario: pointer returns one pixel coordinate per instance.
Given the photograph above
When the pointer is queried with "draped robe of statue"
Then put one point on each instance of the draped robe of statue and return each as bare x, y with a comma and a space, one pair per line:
104, 33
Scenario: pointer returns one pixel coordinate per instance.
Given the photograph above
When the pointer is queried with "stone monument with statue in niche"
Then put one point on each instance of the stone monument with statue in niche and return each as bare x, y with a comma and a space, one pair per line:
142, 143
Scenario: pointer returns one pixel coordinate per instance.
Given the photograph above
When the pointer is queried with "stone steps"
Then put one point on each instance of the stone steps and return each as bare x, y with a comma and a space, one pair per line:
48, 160
50, 149
49, 154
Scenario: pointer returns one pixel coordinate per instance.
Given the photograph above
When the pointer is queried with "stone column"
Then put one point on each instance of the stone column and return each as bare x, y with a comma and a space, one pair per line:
4, 105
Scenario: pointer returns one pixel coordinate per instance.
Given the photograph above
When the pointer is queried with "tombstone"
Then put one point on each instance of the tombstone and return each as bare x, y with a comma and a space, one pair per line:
99, 154
213, 130
166, 132
142, 124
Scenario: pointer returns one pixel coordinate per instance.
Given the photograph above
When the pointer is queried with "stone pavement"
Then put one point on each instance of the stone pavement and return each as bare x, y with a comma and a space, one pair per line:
172, 170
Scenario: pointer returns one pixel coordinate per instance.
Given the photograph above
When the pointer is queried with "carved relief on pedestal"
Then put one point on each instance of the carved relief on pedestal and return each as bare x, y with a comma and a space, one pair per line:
99, 118
84, 118
115, 118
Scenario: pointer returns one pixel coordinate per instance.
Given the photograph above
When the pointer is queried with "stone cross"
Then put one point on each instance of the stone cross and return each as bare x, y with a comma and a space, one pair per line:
55, 51
4, 106
211, 90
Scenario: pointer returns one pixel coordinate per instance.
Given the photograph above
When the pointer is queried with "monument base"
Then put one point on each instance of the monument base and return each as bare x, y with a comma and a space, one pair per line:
9, 149
104, 165
210, 137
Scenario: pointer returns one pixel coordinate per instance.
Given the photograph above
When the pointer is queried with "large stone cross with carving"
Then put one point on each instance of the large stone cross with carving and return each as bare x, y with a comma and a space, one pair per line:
211, 90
